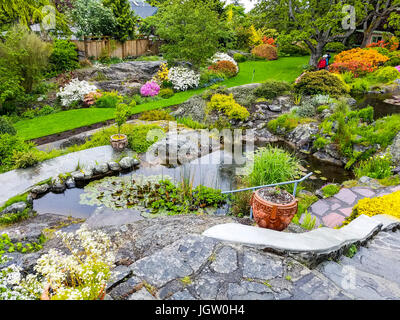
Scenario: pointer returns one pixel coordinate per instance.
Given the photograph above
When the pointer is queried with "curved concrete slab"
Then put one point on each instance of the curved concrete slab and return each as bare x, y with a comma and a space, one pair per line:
317, 242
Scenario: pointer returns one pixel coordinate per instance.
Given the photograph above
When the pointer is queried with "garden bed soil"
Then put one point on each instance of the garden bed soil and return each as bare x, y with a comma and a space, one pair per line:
274, 195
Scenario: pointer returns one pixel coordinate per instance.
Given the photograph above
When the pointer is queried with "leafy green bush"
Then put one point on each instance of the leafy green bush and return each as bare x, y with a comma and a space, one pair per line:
320, 142
386, 74
365, 114
394, 59
166, 93
286, 123
376, 167
347, 77
330, 190
26, 159
239, 57
6, 126
8, 146
321, 82
305, 201
155, 115
190, 123
26, 55
46, 110
335, 47
228, 105
293, 49
383, 131
306, 110
64, 57
138, 138
271, 89
322, 108
359, 87
272, 165
108, 100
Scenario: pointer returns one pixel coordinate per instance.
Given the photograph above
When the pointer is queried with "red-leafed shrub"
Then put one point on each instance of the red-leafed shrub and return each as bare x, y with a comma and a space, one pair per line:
224, 66
265, 51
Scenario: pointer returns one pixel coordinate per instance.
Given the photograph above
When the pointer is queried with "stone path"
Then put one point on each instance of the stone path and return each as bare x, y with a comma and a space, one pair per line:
373, 272
332, 211
17, 181
168, 258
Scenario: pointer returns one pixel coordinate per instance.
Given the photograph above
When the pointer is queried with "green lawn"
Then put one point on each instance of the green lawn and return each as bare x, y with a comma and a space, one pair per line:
287, 69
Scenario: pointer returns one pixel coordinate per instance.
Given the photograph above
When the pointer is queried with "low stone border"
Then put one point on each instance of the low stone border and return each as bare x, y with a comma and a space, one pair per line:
310, 247
72, 180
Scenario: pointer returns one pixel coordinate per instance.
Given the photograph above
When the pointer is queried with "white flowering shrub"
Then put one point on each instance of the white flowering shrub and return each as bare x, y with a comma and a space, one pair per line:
220, 56
321, 99
183, 78
75, 91
13, 287
80, 275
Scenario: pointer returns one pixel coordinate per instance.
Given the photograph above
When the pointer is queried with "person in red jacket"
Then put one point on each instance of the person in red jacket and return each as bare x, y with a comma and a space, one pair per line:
322, 63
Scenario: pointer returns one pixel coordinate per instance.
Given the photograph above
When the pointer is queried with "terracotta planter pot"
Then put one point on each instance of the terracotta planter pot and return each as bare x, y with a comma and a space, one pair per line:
119, 142
272, 215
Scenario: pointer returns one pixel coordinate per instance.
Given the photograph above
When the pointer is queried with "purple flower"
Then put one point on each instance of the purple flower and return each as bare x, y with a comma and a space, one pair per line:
150, 89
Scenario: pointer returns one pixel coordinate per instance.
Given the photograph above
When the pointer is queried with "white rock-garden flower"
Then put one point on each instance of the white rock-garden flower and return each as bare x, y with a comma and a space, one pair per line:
80, 275
75, 91
183, 78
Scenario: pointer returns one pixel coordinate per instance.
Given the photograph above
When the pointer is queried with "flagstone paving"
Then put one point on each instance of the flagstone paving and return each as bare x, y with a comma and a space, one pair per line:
332, 211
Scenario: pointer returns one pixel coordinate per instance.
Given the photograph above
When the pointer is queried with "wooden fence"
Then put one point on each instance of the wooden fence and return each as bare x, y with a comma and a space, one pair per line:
112, 48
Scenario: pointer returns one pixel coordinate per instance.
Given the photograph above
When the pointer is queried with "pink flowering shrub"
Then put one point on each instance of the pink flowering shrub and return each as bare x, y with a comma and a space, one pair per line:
150, 89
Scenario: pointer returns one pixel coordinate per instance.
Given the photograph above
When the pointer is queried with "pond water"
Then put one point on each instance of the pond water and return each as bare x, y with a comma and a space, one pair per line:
217, 170
377, 101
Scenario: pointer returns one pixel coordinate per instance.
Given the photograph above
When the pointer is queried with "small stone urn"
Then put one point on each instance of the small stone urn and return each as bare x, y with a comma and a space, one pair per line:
119, 142
272, 215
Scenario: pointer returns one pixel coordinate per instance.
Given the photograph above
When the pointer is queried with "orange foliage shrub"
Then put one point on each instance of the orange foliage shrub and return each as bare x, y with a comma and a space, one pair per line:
358, 61
269, 41
391, 45
224, 66
265, 51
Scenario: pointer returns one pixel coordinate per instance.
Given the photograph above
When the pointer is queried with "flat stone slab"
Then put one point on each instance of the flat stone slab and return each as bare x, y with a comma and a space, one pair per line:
318, 241
334, 210
18, 181
107, 217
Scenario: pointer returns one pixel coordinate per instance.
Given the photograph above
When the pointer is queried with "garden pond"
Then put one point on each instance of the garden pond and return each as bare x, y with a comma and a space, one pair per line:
216, 170
380, 103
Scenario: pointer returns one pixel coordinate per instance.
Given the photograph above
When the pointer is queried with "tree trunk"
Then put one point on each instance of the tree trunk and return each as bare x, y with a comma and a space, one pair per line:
316, 54
366, 37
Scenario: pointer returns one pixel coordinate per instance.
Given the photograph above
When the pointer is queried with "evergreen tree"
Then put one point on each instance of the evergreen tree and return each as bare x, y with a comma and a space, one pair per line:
125, 18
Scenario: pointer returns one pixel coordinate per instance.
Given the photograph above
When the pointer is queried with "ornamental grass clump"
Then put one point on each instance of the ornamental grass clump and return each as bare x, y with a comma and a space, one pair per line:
271, 165
378, 167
